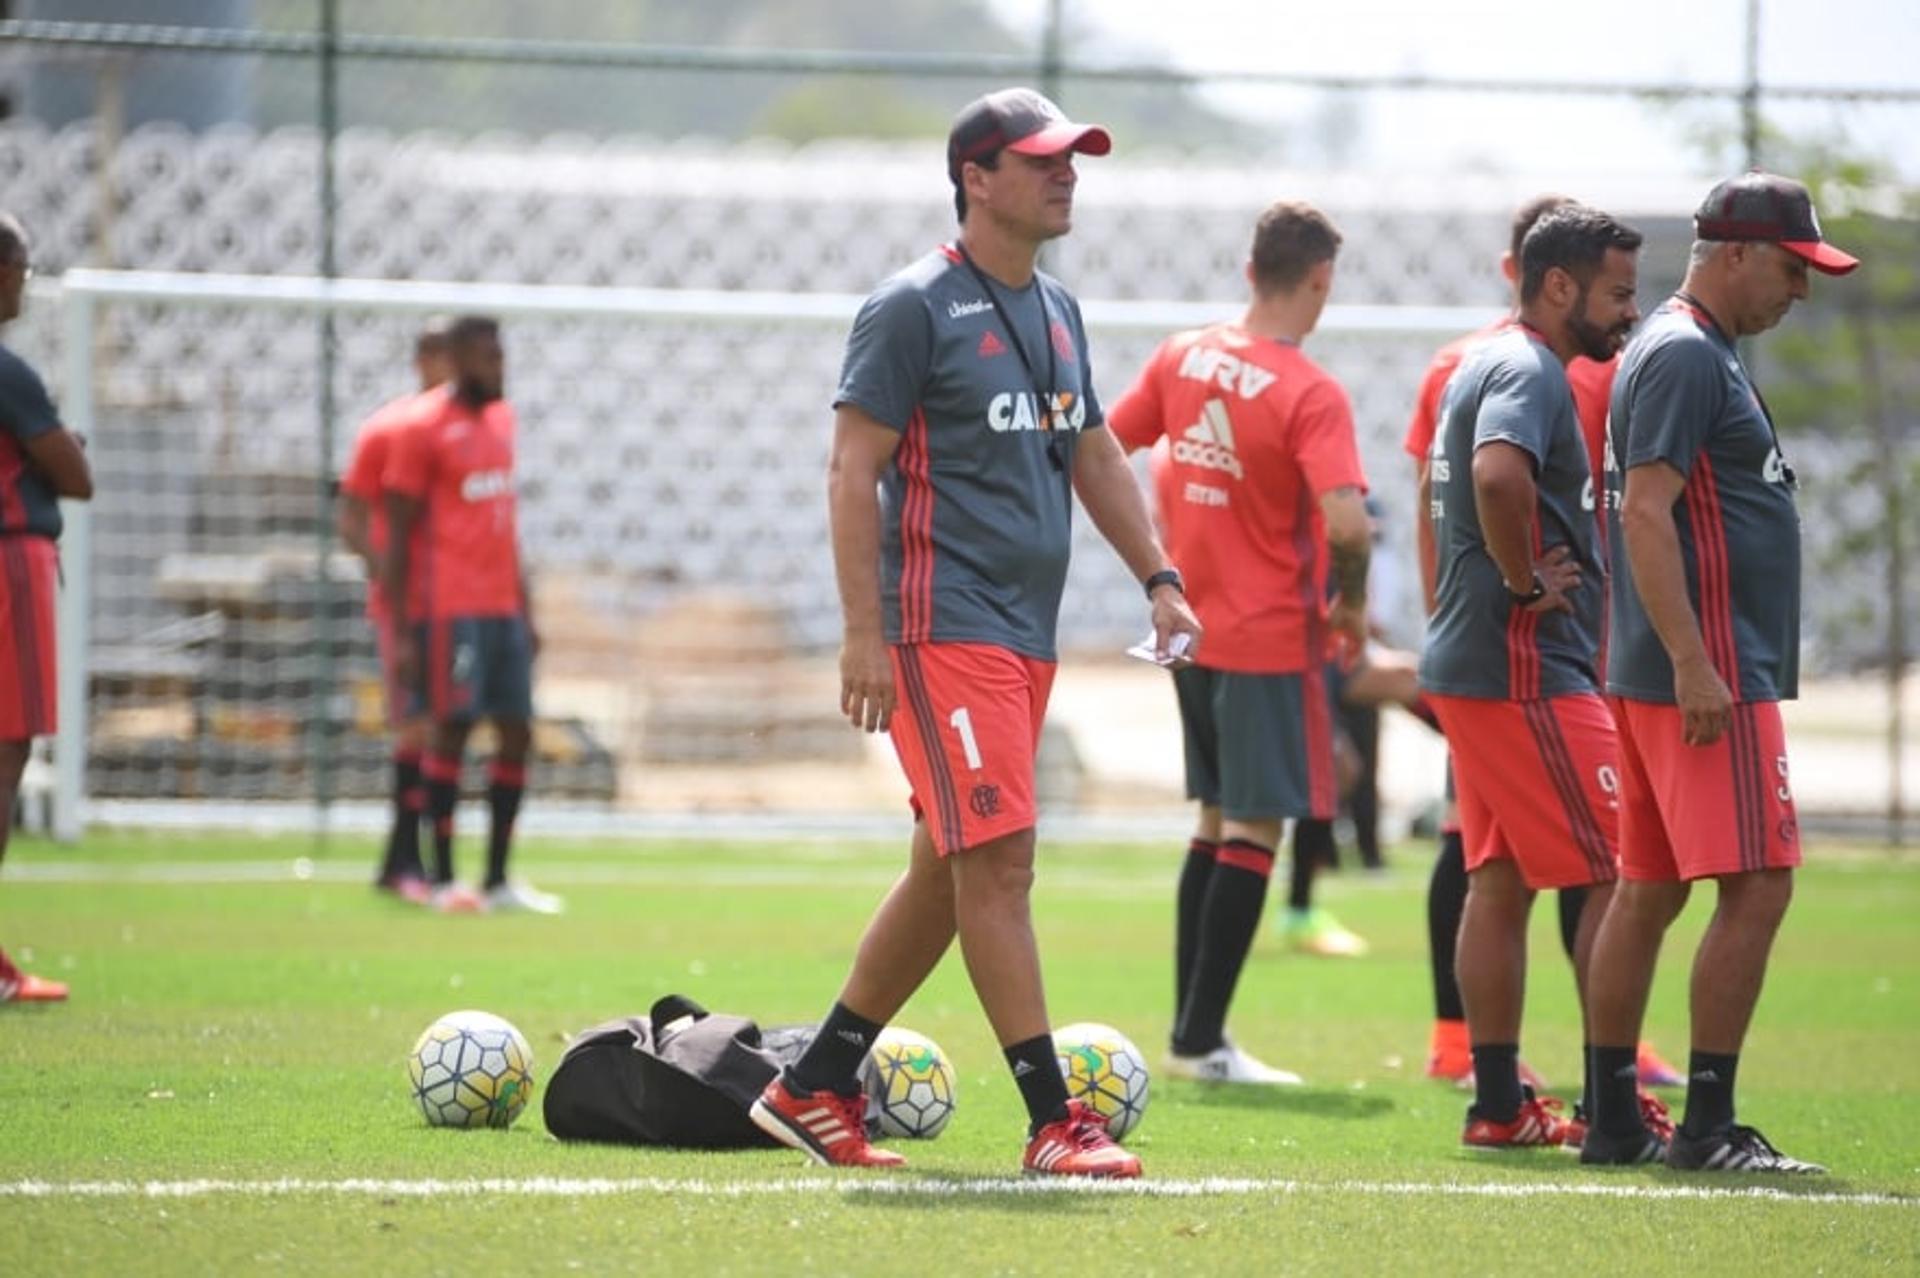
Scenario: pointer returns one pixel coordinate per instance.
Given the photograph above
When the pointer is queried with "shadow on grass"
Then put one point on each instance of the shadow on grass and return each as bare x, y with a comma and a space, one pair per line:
1316, 1102
1556, 1166
952, 1190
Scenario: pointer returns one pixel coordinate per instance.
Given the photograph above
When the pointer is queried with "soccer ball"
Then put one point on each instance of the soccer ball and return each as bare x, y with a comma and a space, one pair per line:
471, 1069
1103, 1068
909, 1085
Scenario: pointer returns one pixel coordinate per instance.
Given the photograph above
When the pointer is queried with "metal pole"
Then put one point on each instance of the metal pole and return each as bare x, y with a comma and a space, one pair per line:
1051, 41
325, 675
1750, 93
76, 591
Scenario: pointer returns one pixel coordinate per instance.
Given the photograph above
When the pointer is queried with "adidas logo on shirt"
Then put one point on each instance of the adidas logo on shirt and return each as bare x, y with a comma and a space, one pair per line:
990, 345
1208, 443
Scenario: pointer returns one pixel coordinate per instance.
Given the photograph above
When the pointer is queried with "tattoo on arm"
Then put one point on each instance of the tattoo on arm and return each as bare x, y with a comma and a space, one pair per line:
1350, 569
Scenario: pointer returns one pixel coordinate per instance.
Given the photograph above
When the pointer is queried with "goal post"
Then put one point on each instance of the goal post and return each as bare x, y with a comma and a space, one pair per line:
777, 342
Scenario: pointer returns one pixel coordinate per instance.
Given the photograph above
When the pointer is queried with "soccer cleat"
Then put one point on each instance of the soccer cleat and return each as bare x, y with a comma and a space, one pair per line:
1450, 1058
1654, 1069
1537, 1123
1734, 1149
829, 1128
1078, 1145
410, 888
522, 898
457, 898
1228, 1064
1655, 1120
17, 986
1316, 932
1602, 1150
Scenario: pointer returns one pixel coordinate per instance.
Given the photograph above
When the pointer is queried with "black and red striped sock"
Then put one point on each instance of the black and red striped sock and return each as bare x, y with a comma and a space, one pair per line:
1194, 875
506, 785
442, 776
1229, 916
403, 840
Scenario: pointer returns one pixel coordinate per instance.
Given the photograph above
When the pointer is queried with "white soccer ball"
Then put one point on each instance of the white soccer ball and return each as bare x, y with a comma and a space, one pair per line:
471, 1069
1104, 1069
909, 1085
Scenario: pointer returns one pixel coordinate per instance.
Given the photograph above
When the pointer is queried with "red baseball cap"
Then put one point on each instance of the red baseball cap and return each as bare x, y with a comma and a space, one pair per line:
1018, 120
1772, 209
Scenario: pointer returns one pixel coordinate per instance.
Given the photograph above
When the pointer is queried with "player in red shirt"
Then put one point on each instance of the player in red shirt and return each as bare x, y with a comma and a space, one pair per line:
467, 649
361, 519
1591, 380
1261, 489
40, 462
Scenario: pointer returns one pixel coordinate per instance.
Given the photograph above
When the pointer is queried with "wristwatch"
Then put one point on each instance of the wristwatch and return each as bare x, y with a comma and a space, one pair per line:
1165, 577
1532, 596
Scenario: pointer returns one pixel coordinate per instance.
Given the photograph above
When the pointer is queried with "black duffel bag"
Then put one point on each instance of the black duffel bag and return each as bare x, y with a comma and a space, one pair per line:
679, 1076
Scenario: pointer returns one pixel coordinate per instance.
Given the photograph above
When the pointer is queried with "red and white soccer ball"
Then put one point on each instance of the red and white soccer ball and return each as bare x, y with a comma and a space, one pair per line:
471, 1069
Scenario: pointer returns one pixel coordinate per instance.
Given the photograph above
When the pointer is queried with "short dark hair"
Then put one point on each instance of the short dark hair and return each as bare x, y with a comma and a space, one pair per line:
434, 337
13, 239
1575, 238
1291, 238
470, 328
1527, 214
991, 160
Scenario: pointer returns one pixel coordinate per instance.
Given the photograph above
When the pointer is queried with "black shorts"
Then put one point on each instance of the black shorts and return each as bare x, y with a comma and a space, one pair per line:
1258, 746
473, 668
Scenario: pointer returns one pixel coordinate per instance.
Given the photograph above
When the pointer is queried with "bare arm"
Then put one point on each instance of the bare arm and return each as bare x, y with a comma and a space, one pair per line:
1350, 548
57, 455
1114, 502
1424, 548
350, 521
402, 514
862, 450
1505, 495
1652, 545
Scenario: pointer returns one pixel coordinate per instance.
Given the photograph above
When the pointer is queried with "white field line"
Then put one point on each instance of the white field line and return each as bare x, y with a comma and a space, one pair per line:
857, 1186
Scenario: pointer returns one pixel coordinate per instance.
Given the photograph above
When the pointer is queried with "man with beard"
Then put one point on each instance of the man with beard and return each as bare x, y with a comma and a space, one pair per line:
468, 644
1510, 664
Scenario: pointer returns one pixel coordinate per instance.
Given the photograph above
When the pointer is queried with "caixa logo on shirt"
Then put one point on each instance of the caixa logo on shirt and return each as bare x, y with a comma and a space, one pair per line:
1774, 471
1020, 410
486, 485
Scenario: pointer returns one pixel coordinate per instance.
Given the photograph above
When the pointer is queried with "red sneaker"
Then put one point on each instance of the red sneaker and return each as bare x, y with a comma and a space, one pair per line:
828, 1128
1538, 1123
17, 986
1654, 1069
1078, 1145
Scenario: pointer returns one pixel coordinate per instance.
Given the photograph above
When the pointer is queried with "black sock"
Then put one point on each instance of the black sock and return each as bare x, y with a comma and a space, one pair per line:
1186, 936
1229, 916
832, 1060
1036, 1071
1709, 1092
1586, 1080
443, 792
1312, 848
1496, 1081
1446, 900
1572, 901
506, 784
403, 841
1613, 1081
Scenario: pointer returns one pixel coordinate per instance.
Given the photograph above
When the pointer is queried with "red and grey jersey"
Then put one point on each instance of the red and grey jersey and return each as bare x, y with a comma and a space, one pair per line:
1511, 389
27, 501
1683, 398
976, 506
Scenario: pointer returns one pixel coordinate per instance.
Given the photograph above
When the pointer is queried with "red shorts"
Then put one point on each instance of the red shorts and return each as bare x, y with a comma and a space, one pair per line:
1696, 812
966, 728
1538, 784
29, 584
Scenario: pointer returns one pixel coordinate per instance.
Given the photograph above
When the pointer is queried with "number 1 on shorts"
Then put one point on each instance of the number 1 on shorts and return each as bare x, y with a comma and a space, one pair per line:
963, 724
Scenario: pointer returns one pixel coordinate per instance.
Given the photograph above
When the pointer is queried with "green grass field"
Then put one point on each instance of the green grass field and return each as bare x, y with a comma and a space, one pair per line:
231, 1065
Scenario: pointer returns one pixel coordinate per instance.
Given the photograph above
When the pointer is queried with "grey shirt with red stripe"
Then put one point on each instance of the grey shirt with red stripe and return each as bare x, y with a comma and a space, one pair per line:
975, 509
27, 501
1511, 389
1683, 397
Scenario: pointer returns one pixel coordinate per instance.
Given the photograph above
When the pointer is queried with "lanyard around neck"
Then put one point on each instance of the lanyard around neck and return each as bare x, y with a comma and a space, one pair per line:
1045, 393
1705, 318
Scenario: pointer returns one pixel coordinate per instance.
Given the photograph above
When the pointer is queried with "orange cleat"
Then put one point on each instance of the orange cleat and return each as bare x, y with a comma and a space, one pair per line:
828, 1128
1078, 1145
17, 986
1450, 1058
1655, 1070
